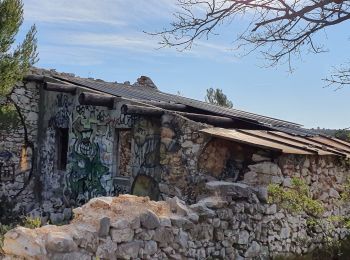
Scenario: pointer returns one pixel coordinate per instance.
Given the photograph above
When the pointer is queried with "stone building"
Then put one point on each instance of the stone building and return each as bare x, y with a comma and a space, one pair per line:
84, 138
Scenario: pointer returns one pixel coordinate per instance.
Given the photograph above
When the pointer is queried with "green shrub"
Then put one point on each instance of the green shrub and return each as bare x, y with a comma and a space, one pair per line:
9, 118
296, 199
345, 195
31, 223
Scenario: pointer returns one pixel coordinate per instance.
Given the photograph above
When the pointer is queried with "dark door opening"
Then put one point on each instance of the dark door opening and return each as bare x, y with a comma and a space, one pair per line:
62, 137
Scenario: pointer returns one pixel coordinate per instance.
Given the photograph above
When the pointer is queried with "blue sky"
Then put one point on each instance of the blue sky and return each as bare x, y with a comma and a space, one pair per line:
104, 39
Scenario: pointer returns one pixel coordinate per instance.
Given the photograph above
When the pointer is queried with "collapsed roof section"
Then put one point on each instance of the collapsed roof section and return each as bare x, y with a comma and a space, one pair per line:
284, 142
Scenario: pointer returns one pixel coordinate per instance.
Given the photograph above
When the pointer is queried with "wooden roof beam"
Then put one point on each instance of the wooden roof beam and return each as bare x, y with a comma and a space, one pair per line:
152, 111
91, 99
60, 87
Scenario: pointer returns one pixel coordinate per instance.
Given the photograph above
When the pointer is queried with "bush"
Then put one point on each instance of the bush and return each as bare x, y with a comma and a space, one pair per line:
296, 199
31, 223
9, 118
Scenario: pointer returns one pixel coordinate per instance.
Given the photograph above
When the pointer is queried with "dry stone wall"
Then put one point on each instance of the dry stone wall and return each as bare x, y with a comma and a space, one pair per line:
231, 223
181, 146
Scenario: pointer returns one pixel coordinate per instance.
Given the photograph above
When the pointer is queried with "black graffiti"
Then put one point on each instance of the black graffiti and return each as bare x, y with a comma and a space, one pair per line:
147, 152
5, 155
80, 110
7, 172
61, 118
125, 120
86, 111
84, 146
121, 189
7, 168
102, 116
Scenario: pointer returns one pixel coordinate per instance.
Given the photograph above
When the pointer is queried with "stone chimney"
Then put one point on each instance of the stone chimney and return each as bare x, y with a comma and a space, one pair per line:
145, 82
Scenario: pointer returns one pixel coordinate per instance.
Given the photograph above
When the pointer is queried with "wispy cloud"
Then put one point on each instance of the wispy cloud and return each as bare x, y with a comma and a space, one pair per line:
87, 30
137, 43
53, 55
112, 12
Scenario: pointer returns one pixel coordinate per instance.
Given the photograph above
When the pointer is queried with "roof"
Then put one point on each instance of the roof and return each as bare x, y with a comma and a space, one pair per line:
281, 135
284, 142
149, 94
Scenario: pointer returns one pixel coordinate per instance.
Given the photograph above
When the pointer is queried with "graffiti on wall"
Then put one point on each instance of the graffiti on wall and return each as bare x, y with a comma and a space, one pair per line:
104, 117
91, 163
91, 157
122, 185
62, 116
146, 146
170, 133
125, 121
59, 113
47, 159
7, 166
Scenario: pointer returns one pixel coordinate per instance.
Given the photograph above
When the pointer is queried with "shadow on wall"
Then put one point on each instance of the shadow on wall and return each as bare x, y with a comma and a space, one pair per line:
223, 159
145, 186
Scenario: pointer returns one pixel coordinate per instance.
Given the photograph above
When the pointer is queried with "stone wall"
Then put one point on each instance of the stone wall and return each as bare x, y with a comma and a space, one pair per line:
227, 160
125, 153
230, 223
17, 170
180, 149
325, 175
145, 156
56, 114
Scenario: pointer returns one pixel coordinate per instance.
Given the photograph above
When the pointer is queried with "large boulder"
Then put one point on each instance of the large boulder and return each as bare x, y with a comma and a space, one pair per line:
149, 220
232, 189
25, 243
263, 173
60, 242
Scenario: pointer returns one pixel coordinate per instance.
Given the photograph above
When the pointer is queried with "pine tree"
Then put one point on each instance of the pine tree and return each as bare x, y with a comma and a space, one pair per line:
217, 97
15, 61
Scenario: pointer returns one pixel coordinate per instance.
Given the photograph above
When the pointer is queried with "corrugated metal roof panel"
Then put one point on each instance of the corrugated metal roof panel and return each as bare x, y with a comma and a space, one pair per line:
283, 142
322, 148
292, 142
295, 130
331, 142
341, 141
246, 138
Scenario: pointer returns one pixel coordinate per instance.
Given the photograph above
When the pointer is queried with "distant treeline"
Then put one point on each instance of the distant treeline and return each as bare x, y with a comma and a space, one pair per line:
343, 134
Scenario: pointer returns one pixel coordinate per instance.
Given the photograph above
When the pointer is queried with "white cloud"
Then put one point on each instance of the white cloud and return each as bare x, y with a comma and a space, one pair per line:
112, 12
53, 55
86, 32
136, 43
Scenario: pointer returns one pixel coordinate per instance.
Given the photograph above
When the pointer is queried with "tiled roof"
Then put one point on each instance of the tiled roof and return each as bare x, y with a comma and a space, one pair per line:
149, 94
